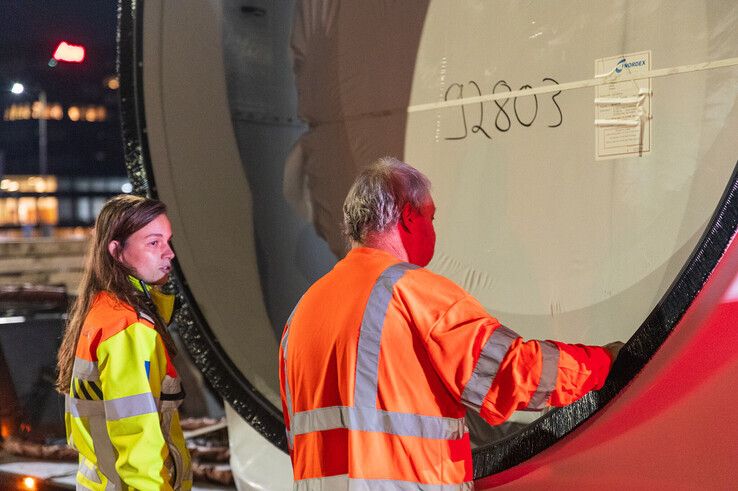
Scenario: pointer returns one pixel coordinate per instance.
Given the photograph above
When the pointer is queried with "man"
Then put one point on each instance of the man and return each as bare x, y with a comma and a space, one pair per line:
381, 357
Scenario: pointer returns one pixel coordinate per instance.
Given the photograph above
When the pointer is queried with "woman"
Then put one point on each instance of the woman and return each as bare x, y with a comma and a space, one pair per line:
122, 391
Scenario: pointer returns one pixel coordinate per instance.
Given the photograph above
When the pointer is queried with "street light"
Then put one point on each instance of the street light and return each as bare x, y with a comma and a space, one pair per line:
18, 88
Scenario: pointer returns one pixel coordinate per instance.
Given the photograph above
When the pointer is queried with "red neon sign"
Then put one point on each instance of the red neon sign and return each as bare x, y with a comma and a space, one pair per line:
69, 53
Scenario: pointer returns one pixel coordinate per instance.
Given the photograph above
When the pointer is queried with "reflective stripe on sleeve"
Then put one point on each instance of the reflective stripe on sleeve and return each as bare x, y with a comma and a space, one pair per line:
370, 337
549, 372
343, 482
90, 474
287, 395
104, 453
79, 408
125, 407
85, 370
493, 352
376, 420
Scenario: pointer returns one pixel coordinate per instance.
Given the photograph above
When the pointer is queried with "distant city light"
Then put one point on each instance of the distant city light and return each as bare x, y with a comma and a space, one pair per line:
29, 483
17, 88
54, 111
112, 83
9, 185
127, 187
69, 52
73, 113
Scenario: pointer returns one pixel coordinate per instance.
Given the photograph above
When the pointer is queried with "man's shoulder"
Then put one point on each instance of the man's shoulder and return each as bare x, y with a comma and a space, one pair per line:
432, 279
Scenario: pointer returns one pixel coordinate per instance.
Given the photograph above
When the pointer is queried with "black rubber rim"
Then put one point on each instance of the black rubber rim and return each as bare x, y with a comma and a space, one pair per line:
202, 345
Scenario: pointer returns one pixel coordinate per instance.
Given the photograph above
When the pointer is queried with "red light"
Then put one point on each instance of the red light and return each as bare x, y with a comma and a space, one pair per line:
69, 52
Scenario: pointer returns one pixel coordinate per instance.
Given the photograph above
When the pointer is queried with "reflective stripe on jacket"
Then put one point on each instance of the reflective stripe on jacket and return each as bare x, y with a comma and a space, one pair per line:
379, 360
121, 411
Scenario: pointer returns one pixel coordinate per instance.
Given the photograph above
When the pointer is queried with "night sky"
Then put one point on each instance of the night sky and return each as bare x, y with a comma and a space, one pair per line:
30, 30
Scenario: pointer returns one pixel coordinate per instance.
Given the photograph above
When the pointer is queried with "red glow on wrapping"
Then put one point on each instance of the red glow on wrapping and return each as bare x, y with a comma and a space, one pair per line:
673, 426
69, 53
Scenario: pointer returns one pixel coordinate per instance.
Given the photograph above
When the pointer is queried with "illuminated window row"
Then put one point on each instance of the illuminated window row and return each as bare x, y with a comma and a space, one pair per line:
28, 184
36, 110
29, 211
55, 200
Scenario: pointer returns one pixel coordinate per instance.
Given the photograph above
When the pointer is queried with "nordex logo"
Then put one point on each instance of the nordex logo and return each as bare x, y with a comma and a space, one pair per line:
623, 63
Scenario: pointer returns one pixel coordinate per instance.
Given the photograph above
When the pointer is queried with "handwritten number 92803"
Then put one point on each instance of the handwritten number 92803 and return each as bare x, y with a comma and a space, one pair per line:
502, 119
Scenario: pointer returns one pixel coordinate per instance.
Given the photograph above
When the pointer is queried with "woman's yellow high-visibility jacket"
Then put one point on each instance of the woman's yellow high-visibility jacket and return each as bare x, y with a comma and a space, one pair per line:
121, 410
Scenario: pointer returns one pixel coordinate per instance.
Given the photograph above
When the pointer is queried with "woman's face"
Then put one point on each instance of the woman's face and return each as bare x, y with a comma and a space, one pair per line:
147, 251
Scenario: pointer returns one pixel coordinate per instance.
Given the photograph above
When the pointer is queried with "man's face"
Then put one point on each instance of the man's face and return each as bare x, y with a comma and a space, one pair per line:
147, 251
417, 232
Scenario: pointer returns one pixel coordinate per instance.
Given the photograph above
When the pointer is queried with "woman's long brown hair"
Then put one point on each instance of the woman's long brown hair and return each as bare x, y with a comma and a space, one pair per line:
118, 220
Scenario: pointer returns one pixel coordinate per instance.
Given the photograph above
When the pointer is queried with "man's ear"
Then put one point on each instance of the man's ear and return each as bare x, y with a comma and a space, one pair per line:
407, 216
114, 249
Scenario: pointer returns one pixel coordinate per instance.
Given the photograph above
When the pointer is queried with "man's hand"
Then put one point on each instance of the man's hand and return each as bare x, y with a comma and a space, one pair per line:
614, 349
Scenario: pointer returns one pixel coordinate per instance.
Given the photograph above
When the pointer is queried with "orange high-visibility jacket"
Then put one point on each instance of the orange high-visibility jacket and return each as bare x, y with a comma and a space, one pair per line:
379, 360
121, 410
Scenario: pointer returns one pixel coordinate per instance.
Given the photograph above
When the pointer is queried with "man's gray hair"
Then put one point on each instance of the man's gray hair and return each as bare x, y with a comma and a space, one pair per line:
379, 194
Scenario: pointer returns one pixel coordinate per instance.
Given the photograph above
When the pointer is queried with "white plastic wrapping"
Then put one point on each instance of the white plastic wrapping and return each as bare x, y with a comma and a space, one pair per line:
255, 462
